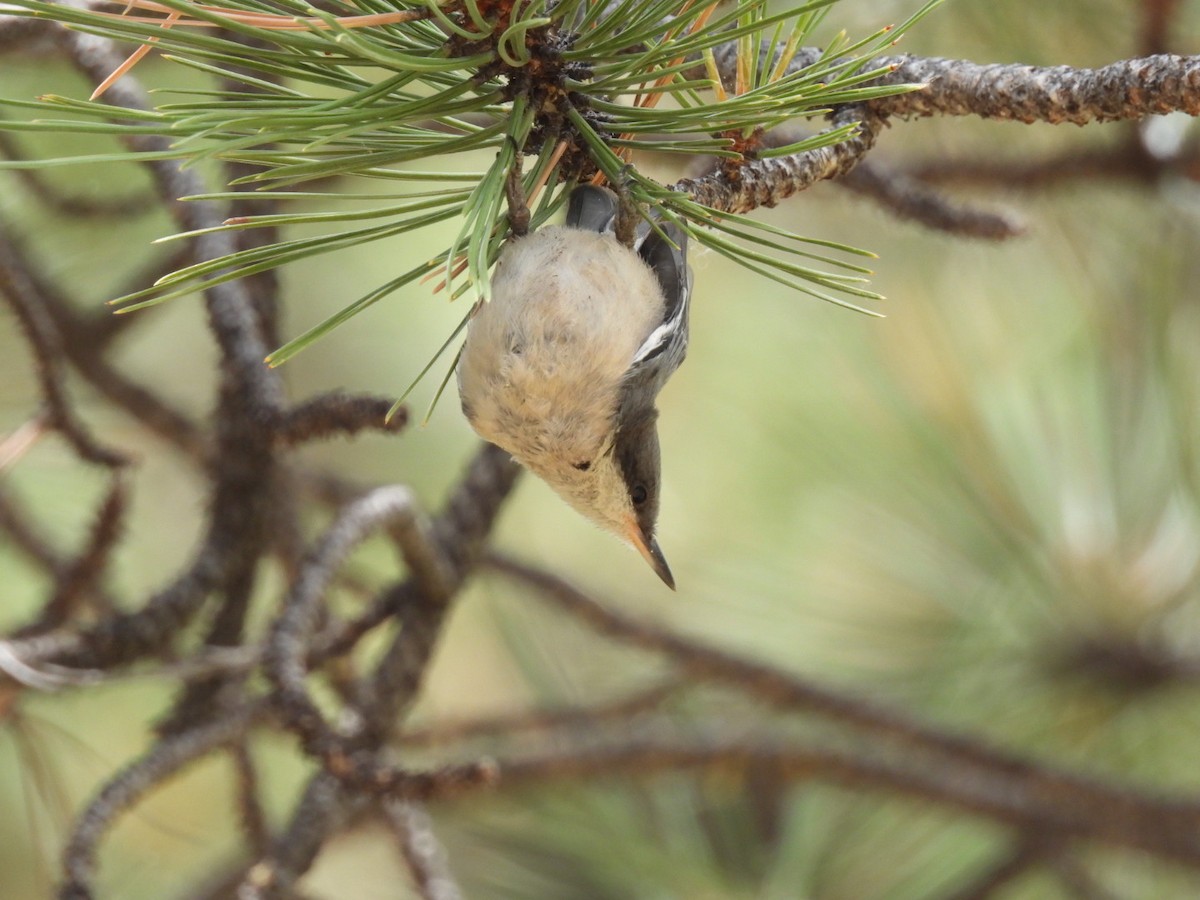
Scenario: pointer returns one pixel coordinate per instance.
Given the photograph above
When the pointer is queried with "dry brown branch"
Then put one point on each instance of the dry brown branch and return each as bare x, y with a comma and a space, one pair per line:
766, 182
43, 337
908, 198
1123, 91
78, 583
165, 759
622, 710
998, 784
339, 414
424, 855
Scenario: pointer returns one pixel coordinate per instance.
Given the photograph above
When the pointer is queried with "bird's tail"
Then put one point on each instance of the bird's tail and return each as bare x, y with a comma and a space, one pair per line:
592, 208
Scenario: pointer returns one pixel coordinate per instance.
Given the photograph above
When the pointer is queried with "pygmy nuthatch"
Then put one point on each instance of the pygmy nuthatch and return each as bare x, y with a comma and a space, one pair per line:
561, 367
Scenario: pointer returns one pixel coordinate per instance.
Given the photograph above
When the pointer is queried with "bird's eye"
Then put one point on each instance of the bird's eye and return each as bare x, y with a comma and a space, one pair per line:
638, 494
582, 466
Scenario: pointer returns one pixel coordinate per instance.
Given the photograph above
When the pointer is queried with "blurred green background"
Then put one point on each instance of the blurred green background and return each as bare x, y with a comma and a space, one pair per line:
970, 509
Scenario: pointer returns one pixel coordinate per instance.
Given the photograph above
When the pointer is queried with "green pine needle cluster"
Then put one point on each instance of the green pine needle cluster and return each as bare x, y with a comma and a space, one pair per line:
558, 91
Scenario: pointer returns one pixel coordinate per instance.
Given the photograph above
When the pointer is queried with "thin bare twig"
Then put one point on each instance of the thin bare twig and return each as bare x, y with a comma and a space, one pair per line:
997, 795
251, 814
289, 640
1127, 161
249, 398
83, 342
80, 578
26, 536
43, 337
908, 198
167, 757
422, 852
338, 413
996, 783
330, 798
622, 709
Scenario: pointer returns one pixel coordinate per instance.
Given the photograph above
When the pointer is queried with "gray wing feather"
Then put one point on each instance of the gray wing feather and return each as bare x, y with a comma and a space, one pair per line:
666, 255
664, 250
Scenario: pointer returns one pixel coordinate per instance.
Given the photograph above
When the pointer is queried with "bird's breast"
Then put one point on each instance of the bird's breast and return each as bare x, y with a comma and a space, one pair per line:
544, 358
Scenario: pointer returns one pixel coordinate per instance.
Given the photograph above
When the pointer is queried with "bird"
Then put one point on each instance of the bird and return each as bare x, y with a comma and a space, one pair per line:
563, 363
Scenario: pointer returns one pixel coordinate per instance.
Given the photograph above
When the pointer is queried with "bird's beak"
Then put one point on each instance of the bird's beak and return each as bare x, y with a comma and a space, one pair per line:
648, 547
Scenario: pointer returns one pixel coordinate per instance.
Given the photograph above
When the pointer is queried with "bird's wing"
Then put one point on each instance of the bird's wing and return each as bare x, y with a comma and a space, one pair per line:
664, 250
